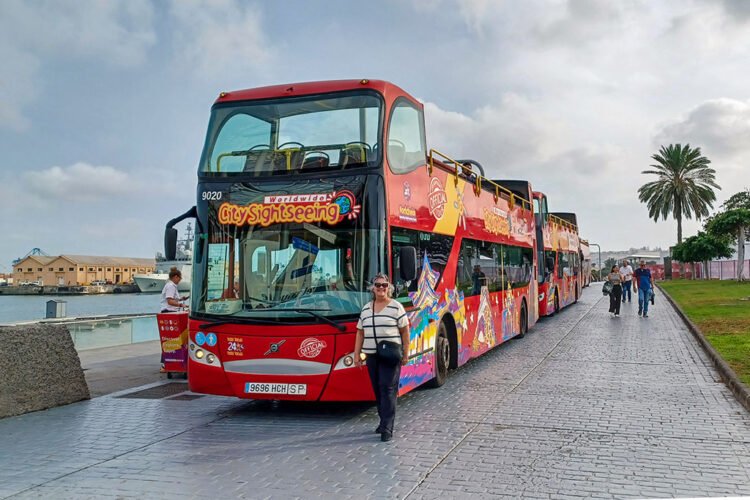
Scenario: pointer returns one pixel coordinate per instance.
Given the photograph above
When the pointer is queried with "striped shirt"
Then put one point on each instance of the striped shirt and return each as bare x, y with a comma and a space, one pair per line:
385, 324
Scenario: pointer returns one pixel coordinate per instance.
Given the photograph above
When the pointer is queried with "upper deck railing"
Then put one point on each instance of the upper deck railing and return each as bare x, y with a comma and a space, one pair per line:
465, 170
562, 222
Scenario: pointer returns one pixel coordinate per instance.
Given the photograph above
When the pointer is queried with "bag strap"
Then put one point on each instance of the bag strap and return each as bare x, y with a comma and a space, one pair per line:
374, 330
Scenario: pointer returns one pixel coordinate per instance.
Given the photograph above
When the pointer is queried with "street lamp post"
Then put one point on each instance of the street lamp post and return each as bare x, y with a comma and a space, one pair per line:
600, 257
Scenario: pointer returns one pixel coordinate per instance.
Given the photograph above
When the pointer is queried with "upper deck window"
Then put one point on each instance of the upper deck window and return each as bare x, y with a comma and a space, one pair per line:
285, 136
406, 141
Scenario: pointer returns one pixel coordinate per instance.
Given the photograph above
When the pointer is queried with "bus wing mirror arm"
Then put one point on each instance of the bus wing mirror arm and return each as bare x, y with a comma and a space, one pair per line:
407, 259
170, 233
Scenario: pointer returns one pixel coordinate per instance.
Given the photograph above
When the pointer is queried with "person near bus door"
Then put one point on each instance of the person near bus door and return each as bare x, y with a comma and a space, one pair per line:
382, 319
171, 301
616, 294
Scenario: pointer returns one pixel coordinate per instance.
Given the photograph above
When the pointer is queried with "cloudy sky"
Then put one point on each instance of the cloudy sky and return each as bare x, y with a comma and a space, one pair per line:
104, 105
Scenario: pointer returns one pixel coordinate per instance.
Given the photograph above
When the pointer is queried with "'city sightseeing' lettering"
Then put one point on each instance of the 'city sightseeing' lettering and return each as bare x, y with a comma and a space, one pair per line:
265, 215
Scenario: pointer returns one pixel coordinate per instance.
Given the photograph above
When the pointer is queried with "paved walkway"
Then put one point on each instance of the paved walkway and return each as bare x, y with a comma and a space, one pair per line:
112, 369
584, 406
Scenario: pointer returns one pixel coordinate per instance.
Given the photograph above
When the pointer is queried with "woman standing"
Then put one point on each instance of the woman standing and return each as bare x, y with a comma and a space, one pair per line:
616, 294
383, 320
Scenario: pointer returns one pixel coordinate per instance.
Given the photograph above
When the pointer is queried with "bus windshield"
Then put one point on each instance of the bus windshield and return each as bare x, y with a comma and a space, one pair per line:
291, 270
286, 136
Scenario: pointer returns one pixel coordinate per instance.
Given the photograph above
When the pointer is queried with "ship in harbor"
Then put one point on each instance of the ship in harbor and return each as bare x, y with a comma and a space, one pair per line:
154, 282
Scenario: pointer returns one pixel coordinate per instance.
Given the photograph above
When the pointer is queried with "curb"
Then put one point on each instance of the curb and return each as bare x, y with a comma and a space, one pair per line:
740, 390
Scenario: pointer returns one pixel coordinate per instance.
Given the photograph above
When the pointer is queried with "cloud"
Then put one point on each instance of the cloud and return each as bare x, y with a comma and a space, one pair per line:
32, 33
215, 37
80, 182
719, 126
505, 138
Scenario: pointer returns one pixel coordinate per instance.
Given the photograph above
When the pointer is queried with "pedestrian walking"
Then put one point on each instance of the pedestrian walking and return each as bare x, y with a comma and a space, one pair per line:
626, 271
383, 336
644, 283
616, 294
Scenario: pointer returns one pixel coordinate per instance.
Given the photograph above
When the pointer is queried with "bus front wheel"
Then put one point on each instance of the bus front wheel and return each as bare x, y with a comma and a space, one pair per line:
442, 356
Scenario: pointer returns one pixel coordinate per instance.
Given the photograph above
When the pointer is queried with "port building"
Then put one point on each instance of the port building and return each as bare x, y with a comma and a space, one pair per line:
72, 270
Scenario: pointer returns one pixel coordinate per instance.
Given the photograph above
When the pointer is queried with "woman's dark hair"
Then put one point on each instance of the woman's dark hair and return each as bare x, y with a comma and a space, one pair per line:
613, 268
174, 272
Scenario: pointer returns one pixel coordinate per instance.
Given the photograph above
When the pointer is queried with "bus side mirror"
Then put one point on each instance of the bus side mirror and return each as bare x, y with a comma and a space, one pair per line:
170, 243
407, 259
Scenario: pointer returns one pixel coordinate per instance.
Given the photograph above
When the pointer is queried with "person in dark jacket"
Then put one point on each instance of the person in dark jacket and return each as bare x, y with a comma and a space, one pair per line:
616, 294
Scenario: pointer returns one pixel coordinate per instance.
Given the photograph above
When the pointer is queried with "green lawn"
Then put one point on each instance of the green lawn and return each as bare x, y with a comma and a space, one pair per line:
721, 309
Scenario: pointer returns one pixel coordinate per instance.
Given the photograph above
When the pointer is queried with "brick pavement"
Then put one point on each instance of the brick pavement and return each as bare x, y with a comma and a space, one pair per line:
583, 406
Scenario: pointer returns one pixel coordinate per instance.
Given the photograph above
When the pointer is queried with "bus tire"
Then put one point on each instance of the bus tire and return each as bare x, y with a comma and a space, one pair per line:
442, 356
576, 294
523, 326
557, 303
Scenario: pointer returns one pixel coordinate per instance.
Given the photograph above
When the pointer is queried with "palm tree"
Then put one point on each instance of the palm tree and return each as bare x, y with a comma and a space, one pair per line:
685, 186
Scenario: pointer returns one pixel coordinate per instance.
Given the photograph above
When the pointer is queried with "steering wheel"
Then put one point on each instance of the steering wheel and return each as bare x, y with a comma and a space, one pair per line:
267, 146
398, 143
293, 143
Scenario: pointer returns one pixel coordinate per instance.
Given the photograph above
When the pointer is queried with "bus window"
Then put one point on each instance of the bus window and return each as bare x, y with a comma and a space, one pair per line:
406, 142
437, 247
563, 268
237, 133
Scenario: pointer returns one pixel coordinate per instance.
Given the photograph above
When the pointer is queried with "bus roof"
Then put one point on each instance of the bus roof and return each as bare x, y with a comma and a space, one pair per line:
309, 88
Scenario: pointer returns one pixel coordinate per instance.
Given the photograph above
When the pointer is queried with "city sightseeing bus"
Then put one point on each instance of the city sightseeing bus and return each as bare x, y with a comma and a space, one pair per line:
585, 256
305, 192
557, 245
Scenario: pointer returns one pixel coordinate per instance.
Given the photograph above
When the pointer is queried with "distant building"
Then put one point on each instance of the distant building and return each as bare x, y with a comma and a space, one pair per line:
78, 269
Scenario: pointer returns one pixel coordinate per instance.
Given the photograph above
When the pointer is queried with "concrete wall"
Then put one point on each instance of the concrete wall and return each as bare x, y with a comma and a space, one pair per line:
39, 369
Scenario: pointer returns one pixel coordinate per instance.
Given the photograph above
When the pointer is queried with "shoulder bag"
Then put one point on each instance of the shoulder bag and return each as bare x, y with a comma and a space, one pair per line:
387, 351
607, 287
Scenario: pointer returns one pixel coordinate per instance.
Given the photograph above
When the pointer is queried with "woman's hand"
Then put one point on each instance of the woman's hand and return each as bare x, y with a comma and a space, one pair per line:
404, 360
358, 359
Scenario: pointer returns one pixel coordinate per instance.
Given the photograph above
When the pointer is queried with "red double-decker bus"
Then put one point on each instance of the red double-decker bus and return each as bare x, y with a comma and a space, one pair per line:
585, 263
558, 252
305, 192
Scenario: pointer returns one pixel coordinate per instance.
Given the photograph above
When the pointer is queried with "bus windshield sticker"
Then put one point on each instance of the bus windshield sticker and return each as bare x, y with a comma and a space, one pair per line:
218, 255
330, 208
305, 246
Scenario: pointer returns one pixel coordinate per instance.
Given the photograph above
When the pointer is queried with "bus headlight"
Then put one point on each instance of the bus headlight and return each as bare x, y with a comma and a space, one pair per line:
541, 296
345, 362
203, 356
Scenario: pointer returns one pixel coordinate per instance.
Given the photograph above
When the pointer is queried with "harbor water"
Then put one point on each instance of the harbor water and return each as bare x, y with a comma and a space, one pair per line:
16, 308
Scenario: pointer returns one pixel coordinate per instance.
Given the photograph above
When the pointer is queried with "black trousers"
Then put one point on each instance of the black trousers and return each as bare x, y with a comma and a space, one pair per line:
614, 299
384, 378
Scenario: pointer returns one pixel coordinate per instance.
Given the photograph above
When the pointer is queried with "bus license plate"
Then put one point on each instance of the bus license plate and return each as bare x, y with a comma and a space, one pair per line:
275, 388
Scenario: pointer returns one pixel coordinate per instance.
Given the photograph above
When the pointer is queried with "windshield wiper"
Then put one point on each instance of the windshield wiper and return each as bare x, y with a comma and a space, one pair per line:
311, 312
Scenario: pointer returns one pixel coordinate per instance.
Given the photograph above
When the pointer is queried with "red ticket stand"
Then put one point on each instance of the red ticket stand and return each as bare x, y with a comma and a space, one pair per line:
173, 333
